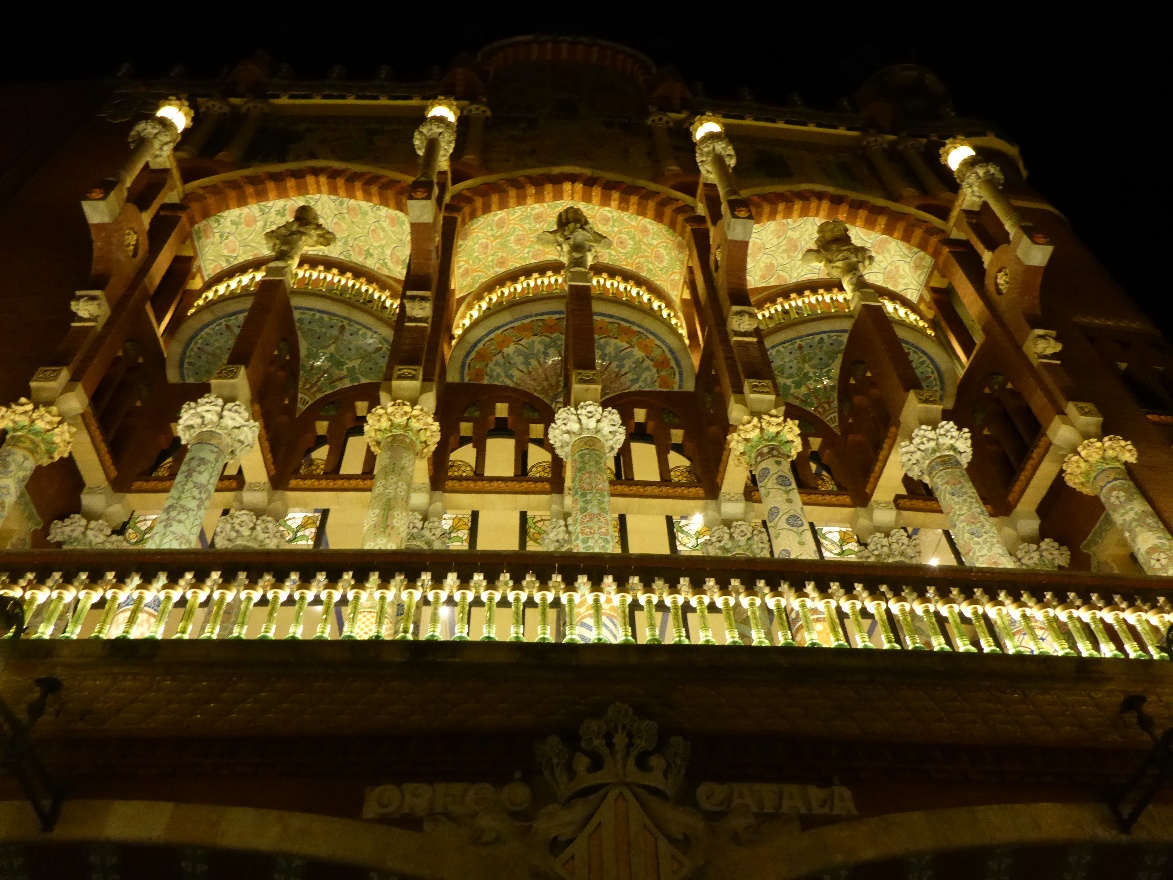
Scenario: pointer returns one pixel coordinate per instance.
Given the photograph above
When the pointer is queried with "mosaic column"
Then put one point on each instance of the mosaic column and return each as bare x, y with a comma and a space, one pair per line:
767, 444
938, 454
585, 437
399, 434
214, 432
1097, 468
36, 435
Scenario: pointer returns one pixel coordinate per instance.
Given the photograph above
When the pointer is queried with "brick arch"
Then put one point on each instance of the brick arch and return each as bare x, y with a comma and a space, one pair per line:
214, 195
889, 220
497, 56
540, 186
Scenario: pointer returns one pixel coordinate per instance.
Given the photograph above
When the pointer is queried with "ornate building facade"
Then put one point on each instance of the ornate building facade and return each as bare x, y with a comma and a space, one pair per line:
391, 471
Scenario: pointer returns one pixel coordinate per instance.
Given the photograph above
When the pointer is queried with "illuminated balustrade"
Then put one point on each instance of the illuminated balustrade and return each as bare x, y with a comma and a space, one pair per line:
753, 602
308, 278
832, 301
552, 283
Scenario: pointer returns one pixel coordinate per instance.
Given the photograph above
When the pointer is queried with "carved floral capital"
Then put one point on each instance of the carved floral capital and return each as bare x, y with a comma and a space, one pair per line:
934, 441
1048, 554
243, 529
231, 423
711, 146
771, 430
444, 130
77, 533
400, 417
972, 173
1091, 457
895, 546
161, 133
588, 419
40, 431
737, 539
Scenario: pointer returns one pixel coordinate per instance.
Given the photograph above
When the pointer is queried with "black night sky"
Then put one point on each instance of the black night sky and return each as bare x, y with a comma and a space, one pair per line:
1081, 88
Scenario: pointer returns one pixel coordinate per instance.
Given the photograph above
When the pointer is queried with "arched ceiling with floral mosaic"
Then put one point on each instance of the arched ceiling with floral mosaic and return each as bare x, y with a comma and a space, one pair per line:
525, 351
368, 234
336, 351
806, 368
777, 246
508, 239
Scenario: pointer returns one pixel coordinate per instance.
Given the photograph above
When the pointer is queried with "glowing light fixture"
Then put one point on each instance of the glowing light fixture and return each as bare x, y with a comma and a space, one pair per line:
706, 125
934, 561
442, 108
956, 152
176, 111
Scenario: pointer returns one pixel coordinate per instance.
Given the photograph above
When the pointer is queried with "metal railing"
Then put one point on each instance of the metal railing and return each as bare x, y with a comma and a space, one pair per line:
569, 598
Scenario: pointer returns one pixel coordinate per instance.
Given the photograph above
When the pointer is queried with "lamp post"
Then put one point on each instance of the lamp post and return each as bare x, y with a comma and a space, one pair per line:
981, 179
714, 154
436, 137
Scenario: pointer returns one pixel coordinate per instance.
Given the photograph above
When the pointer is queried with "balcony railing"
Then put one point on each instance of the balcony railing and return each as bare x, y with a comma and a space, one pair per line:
545, 597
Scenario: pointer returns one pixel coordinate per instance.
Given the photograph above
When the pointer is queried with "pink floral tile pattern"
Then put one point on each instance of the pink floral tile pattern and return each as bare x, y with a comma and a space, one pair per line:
368, 234
776, 249
527, 353
509, 239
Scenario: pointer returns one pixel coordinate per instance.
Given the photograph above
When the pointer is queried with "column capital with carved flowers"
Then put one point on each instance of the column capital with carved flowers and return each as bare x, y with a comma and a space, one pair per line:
709, 147
972, 173
476, 110
402, 418
932, 442
440, 128
227, 425
1092, 458
770, 433
39, 431
587, 420
738, 539
160, 133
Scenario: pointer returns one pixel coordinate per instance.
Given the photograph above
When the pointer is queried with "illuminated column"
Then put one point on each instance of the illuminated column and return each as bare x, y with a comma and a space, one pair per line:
399, 434
876, 149
585, 437
842, 258
36, 435
214, 432
254, 113
1097, 468
715, 156
938, 454
436, 137
659, 123
476, 114
981, 180
767, 444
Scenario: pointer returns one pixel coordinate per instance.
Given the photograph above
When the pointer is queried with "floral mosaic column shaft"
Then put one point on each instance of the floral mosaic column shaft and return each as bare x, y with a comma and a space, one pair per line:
767, 444
1097, 468
399, 434
214, 432
36, 435
585, 437
938, 455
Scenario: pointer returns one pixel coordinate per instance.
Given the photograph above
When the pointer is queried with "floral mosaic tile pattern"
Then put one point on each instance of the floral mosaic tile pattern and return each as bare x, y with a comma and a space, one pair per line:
776, 249
805, 370
336, 352
527, 353
508, 239
368, 234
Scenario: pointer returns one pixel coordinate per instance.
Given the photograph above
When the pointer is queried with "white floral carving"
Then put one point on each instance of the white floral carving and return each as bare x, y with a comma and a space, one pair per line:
771, 429
88, 308
1047, 554
1091, 456
42, 432
400, 417
243, 529
711, 146
232, 422
896, 546
588, 419
738, 539
1045, 344
931, 441
426, 534
162, 135
557, 538
436, 127
77, 532
971, 174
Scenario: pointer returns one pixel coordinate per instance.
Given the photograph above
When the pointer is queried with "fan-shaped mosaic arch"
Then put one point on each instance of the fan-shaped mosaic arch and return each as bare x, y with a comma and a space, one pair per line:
368, 234
777, 246
508, 239
336, 351
806, 369
526, 352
